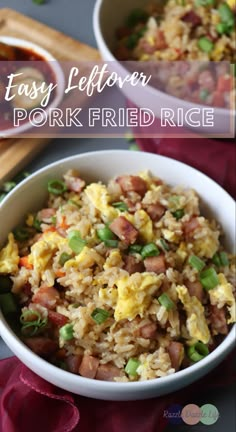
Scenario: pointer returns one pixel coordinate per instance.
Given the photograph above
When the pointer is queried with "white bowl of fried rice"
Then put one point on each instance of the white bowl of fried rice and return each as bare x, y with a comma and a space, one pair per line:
188, 47
117, 273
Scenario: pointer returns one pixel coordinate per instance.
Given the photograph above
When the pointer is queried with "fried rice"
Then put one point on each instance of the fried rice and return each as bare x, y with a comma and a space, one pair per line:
188, 46
120, 282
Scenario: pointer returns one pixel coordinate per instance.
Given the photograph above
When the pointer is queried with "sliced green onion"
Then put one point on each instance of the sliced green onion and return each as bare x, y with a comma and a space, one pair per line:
66, 332
105, 234
122, 206
132, 366
135, 248
8, 304
196, 263
134, 147
132, 41
53, 220
100, 315
204, 93
175, 199
197, 352
2, 196
21, 234
164, 245
216, 260
39, 2
111, 243
76, 243
224, 259
129, 137
209, 278
56, 187
71, 201
150, 250
5, 284
21, 176
64, 257
37, 224
205, 44
178, 214
8, 186
226, 14
165, 301
204, 2
32, 322
136, 16
222, 28
220, 259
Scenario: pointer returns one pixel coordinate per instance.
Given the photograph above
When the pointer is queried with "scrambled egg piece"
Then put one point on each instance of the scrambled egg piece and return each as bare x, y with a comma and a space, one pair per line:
146, 176
142, 222
196, 321
108, 296
170, 235
182, 252
208, 245
43, 250
85, 259
231, 4
30, 220
134, 294
223, 294
98, 195
114, 260
9, 256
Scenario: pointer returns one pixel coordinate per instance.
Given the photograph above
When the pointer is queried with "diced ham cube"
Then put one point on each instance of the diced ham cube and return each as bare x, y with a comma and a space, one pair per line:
131, 183
190, 226
47, 297
46, 214
148, 331
176, 353
155, 211
42, 346
57, 319
124, 230
195, 289
73, 363
155, 264
160, 42
107, 372
88, 367
218, 320
73, 181
132, 265
192, 18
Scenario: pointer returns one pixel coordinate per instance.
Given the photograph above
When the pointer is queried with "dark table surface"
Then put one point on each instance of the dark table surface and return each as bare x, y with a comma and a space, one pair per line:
74, 17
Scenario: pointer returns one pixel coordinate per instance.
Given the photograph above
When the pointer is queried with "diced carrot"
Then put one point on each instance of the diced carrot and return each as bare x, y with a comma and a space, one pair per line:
57, 318
63, 223
60, 273
50, 229
24, 262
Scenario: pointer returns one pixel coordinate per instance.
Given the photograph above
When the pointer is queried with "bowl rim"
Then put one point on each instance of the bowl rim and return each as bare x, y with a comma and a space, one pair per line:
56, 69
172, 100
9, 336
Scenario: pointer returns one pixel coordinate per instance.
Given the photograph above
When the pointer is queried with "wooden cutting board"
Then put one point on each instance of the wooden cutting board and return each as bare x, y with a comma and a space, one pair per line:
16, 153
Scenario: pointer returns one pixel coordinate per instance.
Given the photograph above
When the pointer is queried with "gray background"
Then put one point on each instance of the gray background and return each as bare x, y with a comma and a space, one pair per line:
74, 17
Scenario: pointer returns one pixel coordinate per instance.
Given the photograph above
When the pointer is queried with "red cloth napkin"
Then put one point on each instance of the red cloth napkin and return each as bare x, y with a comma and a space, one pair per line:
217, 159
30, 404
